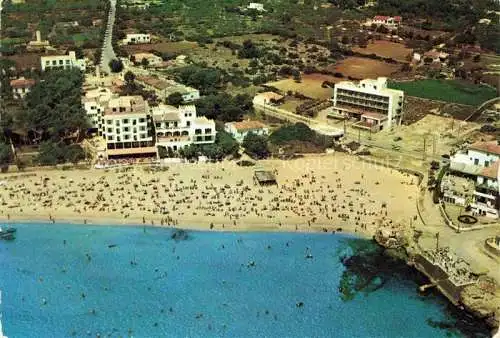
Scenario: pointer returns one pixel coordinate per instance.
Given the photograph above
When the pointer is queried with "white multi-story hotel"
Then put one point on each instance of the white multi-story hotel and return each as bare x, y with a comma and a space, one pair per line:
176, 128
370, 101
95, 102
136, 38
62, 62
480, 164
127, 127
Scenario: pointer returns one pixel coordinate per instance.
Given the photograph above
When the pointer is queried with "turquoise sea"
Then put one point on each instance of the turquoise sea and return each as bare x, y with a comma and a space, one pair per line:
62, 280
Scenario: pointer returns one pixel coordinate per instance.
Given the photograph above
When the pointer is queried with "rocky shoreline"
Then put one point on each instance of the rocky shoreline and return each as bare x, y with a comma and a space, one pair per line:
480, 299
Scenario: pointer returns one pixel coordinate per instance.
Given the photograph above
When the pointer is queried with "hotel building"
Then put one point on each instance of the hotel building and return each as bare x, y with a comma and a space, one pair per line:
369, 101
176, 128
127, 127
62, 62
480, 164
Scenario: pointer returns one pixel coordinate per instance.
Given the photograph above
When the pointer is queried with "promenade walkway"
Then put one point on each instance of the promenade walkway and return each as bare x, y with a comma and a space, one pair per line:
107, 53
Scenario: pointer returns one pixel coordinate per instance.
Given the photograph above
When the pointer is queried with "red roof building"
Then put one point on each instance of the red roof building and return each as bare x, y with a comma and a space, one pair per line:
21, 87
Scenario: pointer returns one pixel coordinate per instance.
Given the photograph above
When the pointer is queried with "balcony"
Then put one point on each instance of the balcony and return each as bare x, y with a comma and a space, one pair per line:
485, 195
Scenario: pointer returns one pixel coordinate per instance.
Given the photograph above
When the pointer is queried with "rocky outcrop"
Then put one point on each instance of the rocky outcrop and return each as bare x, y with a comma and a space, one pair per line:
482, 299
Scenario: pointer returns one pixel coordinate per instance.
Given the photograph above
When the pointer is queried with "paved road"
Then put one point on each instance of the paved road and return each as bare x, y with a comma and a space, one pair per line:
108, 53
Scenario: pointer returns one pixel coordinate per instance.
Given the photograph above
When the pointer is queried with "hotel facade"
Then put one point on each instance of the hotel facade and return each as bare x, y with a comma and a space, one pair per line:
62, 62
375, 106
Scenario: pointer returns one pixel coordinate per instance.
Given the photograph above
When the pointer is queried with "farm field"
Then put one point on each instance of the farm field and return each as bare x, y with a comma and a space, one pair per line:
386, 49
446, 90
362, 68
25, 61
310, 85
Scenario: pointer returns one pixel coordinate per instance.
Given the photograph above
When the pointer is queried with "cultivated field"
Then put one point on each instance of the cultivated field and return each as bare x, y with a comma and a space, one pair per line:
447, 90
362, 68
386, 49
163, 47
25, 61
310, 85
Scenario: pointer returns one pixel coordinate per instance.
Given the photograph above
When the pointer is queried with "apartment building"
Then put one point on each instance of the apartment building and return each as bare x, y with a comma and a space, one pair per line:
164, 87
369, 101
479, 164
136, 38
127, 127
21, 87
176, 128
95, 102
62, 62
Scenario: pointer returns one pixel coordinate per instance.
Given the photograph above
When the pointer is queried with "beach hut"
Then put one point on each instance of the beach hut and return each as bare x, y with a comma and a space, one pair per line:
264, 177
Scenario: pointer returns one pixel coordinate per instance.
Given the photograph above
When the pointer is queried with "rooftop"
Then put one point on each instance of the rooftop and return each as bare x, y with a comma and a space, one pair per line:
491, 171
491, 147
248, 125
22, 83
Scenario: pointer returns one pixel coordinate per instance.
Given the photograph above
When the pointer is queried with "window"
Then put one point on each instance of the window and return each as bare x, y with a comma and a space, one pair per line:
118, 138
54, 62
114, 109
61, 62
134, 122
117, 123
125, 121
142, 128
117, 130
109, 121
188, 123
476, 161
110, 130
208, 138
126, 129
67, 62
142, 120
142, 136
486, 163
110, 138
158, 124
126, 137
197, 131
208, 130
199, 138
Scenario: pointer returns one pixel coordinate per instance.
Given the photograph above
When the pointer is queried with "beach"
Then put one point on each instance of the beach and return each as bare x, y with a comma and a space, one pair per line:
317, 193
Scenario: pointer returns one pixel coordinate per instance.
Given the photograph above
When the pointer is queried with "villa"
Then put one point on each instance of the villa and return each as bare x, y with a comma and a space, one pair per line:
387, 21
369, 101
21, 87
62, 62
136, 38
480, 164
239, 130
176, 128
164, 87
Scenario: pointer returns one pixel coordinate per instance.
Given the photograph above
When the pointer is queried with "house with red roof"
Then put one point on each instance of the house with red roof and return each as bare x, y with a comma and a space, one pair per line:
239, 130
21, 87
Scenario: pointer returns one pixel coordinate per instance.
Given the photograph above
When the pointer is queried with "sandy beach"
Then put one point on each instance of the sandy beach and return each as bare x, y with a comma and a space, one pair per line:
320, 193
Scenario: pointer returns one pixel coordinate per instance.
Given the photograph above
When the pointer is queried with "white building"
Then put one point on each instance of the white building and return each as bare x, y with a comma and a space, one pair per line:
127, 127
136, 38
164, 87
176, 128
256, 6
388, 21
21, 87
239, 130
38, 43
152, 60
62, 62
480, 162
369, 101
95, 102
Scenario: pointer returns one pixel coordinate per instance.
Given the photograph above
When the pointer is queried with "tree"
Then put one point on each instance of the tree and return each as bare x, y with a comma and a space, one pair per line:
129, 77
116, 65
175, 99
5, 156
228, 145
144, 62
53, 107
256, 145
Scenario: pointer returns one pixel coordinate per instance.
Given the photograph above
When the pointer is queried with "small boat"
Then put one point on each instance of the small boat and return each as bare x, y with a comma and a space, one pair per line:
8, 233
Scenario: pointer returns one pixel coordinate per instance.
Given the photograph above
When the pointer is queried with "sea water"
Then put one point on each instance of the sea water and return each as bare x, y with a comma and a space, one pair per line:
62, 280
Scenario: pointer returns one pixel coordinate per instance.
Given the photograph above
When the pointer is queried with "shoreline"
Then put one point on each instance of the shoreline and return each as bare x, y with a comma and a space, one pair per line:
200, 226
